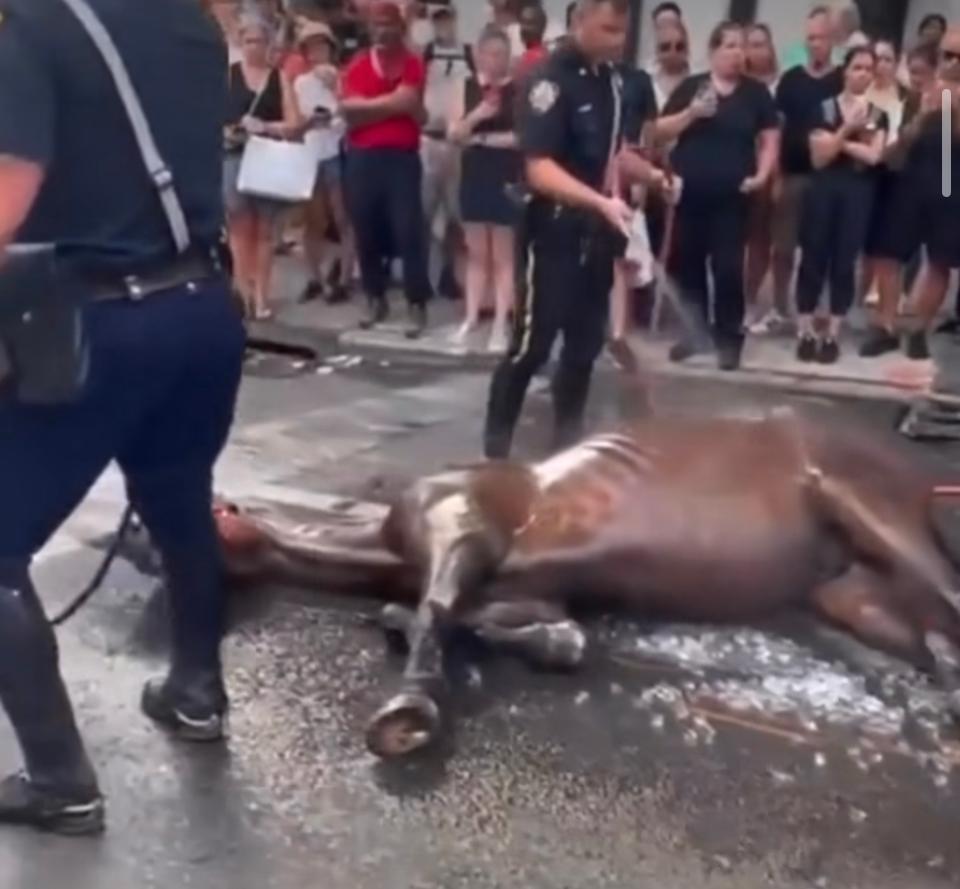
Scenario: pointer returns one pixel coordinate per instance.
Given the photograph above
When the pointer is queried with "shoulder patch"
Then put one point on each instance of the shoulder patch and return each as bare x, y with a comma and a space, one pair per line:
543, 96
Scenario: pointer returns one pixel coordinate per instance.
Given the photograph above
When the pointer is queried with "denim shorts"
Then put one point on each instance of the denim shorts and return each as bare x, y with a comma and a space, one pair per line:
330, 172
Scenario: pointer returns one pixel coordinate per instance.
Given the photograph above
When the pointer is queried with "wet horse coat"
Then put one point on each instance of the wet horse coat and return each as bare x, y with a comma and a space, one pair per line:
689, 519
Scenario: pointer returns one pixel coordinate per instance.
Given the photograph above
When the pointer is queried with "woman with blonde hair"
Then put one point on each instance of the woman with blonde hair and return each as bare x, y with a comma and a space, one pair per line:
483, 123
259, 104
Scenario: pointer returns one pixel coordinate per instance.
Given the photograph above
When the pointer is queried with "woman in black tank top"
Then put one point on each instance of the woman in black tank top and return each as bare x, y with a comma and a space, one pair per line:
484, 126
259, 103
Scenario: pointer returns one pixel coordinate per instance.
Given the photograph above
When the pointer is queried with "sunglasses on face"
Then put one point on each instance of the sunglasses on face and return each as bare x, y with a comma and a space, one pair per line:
672, 47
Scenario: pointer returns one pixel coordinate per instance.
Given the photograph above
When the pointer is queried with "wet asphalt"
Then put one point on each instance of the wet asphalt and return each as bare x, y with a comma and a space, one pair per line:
675, 758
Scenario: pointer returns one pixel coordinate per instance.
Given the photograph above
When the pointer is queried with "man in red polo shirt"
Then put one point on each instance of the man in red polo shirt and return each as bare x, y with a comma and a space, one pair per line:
533, 28
383, 107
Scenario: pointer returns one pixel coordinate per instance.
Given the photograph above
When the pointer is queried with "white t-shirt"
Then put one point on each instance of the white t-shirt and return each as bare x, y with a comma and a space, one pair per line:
311, 93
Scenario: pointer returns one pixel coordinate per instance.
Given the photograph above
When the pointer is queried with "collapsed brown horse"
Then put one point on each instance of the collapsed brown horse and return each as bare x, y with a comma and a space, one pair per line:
699, 520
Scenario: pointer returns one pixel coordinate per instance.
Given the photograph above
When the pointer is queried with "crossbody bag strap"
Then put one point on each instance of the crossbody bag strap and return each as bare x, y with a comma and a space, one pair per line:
160, 174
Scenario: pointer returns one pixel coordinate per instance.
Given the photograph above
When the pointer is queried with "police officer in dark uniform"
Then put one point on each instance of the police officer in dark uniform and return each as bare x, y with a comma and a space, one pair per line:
163, 358
572, 122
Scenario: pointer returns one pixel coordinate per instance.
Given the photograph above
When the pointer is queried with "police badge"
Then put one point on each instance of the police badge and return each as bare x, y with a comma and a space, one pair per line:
543, 96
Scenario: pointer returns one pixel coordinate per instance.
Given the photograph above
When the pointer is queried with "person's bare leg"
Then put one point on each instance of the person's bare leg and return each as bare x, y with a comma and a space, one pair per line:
784, 265
503, 256
758, 264
619, 303
242, 235
478, 269
264, 264
348, 250
926, 300
315, 233
889, 276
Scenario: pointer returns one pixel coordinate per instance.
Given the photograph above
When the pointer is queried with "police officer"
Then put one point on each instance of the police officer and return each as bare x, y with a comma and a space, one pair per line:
571, 124
164, 359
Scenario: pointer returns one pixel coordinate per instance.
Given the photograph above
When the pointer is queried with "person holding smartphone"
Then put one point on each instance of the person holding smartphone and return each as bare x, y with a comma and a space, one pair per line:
483, 123
846, 145
316, 93
726, 130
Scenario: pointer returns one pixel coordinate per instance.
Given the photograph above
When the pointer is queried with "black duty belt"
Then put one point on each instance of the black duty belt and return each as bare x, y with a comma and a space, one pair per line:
189, 270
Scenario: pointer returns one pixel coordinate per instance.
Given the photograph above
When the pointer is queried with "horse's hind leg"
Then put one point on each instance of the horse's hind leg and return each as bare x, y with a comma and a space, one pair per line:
867, 603
886, 534
858, 602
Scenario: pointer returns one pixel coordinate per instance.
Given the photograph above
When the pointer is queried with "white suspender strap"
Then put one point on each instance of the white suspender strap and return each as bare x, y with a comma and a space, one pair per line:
160, 174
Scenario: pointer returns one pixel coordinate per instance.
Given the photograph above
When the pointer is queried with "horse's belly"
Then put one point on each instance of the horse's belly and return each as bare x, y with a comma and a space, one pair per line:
718, 562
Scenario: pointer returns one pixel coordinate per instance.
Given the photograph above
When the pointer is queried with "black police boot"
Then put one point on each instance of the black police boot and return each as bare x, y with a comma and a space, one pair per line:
191, 705
58, 792
378, 310
417, 322
73, 812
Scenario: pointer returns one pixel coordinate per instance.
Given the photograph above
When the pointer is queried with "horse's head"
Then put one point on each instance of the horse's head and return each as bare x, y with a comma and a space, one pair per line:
243, 542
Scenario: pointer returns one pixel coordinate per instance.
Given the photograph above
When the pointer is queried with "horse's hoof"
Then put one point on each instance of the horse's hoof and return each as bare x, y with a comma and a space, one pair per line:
566, 645
408, 723
396, 622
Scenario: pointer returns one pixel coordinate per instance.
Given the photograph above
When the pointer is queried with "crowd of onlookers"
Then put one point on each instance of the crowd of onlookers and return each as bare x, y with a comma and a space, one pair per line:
809, 184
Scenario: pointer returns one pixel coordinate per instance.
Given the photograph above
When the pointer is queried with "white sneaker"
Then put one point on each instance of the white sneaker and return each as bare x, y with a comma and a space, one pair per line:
772, 322
464, 333
499, 341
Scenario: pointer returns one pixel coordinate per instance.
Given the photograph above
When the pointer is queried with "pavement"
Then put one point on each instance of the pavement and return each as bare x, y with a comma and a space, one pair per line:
679, 758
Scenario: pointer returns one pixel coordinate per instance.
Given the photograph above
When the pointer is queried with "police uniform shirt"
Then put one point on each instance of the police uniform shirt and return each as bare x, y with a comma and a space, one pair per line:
59, 108
568, 114
714, 155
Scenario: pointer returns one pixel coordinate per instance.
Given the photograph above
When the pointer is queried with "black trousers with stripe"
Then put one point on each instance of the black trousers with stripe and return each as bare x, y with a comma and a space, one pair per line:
564, 290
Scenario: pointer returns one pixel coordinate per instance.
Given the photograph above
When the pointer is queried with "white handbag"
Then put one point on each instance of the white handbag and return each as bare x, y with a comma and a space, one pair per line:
278, 171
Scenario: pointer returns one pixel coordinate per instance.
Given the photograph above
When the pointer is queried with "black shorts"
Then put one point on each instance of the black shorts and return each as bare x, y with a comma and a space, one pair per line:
884, 235
915, 218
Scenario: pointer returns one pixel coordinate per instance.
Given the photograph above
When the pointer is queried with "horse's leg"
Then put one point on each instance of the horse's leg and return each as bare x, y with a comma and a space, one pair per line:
868, 604
462, 550
882, 533
541, 633
859, 601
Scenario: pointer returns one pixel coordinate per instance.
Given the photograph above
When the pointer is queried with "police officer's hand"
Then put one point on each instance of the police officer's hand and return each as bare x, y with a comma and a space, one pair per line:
618, 214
